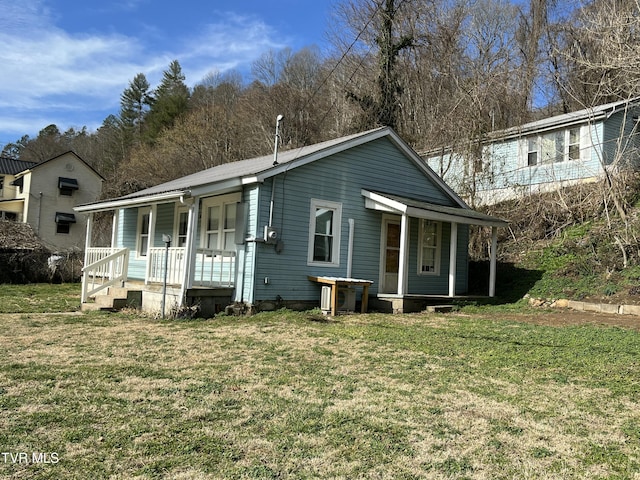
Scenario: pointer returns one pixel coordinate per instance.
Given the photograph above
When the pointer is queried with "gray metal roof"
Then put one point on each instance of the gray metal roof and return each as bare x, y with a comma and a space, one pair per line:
10, 166
245, 168
580, 116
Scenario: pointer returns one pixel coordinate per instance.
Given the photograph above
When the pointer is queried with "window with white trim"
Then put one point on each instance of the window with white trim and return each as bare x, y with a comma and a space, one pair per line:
553, 147
324, 233
142, 238
219, 222
181, 226
429, 252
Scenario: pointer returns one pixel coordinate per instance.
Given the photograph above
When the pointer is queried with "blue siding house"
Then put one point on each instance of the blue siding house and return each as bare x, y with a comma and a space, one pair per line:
360, 218
544, 155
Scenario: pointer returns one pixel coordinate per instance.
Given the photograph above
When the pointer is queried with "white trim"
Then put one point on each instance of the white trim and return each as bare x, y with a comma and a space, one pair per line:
403, 264
131, 202
141, 212
382, 203
438, 247
179, 210
453, 257
384, 228
336, 226
217, 201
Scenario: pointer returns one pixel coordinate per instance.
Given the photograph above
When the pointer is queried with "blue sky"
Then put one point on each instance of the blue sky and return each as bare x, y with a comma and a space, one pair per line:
66, 62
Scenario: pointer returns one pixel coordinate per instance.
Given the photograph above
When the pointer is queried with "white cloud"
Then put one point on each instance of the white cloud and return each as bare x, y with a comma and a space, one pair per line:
76, 78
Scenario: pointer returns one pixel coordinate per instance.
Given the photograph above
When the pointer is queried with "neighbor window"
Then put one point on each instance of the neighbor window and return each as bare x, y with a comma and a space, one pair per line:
1, 186
219, 222
64, 221
553, 147
67, 185
429, 253
144, 217
324, 233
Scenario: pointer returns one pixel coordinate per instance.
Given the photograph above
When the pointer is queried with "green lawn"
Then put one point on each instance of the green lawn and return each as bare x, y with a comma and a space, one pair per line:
294, 395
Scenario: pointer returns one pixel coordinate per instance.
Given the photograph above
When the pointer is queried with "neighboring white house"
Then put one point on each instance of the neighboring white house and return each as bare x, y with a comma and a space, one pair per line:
544, 155
44, 194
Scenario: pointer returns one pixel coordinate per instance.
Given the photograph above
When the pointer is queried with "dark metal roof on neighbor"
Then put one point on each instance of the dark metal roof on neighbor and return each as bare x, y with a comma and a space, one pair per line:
10, 166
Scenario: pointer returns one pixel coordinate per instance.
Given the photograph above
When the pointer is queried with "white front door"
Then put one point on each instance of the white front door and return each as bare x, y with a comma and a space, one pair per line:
390, 249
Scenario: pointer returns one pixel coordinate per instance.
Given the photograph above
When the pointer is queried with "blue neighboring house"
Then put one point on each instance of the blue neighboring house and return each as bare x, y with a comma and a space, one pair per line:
284, 230
544, 155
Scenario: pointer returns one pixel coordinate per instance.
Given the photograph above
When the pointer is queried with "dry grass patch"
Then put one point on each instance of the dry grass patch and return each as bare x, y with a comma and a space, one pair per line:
280, 396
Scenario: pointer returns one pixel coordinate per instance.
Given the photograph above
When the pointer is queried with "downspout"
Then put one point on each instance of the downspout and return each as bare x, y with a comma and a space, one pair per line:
39, 213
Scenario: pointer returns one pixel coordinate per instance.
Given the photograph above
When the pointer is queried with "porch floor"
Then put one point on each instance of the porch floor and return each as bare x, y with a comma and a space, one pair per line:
411, 303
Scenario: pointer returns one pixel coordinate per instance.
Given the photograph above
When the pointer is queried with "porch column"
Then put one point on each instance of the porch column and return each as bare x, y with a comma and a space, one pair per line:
87, 246
404, 255
492, 264
114, 228
191, 246
87, 236
453, 255
150, 242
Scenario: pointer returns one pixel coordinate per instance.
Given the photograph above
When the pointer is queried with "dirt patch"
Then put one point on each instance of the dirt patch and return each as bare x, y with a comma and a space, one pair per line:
566, 317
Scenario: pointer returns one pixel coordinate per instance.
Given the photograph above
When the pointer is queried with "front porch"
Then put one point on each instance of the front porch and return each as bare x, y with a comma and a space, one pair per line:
171, 281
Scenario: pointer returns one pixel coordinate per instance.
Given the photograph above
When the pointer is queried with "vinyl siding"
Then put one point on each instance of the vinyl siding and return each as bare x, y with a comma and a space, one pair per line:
340, 178
505, 173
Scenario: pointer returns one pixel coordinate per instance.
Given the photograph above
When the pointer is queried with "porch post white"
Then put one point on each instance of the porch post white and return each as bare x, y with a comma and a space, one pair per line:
404, 255
191, 246
87, 246
114, 228
492, 264
152, 231
87, 237
453, 255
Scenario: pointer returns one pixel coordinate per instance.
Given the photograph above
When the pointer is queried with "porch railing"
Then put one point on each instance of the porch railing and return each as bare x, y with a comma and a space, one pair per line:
213, 268
105, 267
175, 265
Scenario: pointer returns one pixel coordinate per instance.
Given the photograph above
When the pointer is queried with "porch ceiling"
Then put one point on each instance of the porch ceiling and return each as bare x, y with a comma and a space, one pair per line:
420, 209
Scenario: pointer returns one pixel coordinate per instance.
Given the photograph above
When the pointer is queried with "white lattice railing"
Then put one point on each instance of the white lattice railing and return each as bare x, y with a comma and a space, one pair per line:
104, 267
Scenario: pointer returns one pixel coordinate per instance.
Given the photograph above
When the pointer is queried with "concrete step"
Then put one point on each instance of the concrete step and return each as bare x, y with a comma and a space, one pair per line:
439, 308
116, 299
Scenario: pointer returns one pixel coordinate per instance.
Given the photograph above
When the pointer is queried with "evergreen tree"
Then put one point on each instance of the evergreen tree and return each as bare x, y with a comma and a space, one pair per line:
171, 101
135, 102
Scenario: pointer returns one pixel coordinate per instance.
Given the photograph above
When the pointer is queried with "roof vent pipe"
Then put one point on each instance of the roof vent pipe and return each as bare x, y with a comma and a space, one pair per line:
275, 162
275, 147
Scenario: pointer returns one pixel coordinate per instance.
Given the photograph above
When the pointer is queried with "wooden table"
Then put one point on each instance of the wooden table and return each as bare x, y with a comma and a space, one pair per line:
337, 282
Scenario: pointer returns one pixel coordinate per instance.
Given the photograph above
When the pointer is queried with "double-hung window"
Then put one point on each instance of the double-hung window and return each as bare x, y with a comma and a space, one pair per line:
182, 222
219, 222
144, 217
324, 233
429, 252
553, 147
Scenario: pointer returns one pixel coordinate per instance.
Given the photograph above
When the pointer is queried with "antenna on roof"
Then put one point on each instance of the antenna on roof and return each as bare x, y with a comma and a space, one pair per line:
275, 147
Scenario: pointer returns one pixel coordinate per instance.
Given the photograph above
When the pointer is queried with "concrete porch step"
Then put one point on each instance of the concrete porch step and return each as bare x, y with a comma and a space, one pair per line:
116, 299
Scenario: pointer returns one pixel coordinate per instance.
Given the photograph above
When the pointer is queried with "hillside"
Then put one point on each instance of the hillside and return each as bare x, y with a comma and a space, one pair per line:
572, 244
